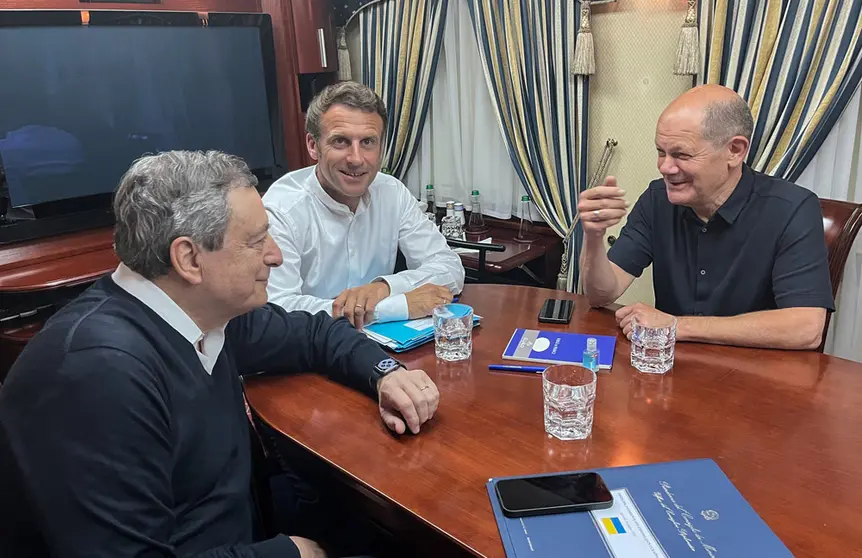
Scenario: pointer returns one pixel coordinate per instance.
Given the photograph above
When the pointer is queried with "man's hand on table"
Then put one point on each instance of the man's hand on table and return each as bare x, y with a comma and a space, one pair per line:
357, 304
407, 396
626, 314
422, 300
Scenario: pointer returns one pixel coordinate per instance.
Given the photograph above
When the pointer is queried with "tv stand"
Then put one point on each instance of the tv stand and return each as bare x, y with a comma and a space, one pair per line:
39, 276
21, 230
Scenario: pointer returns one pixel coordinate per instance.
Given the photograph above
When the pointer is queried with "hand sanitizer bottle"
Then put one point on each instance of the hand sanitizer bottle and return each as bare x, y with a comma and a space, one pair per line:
591, 355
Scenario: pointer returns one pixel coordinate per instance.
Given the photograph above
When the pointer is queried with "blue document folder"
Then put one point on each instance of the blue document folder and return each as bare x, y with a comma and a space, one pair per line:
662, 510
554, 347
404, 335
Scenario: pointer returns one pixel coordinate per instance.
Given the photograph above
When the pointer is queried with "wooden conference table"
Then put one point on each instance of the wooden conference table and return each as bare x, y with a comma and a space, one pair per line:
786, 428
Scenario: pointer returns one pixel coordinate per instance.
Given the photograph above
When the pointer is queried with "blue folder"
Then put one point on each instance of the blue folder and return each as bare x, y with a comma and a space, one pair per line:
404, 335
682, 508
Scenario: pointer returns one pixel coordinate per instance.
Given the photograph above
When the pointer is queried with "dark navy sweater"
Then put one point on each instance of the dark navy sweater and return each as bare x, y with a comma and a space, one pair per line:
114, 440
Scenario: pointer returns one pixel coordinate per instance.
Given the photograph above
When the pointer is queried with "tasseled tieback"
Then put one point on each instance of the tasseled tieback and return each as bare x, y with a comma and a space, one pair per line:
584, 61
688, 49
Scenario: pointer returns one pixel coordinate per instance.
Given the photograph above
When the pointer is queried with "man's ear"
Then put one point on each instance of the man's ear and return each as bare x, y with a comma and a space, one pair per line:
737, 150
312, 146
185, 259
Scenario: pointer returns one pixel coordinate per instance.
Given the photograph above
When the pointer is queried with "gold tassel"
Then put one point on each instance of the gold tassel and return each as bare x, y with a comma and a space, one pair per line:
688, 49
344, 72
584, 62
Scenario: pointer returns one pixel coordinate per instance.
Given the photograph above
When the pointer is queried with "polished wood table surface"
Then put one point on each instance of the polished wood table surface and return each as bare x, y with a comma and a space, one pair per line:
516, 253
786, 427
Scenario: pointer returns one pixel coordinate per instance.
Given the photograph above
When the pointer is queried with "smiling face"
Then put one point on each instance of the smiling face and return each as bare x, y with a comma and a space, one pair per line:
348, 152
694, 170
702, 139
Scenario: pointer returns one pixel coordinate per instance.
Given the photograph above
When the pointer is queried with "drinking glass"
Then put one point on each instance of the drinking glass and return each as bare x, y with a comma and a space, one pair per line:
653, 342
453, 331
569, 394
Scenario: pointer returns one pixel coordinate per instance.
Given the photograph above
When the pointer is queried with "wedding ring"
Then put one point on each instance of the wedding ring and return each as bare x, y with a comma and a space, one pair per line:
423, 388
596, 214
359, 306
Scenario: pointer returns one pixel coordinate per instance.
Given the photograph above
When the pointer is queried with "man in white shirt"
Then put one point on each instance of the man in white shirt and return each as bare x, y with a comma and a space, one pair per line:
341, 223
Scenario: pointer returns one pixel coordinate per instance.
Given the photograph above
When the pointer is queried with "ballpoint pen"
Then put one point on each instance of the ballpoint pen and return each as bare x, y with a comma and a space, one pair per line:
516, 368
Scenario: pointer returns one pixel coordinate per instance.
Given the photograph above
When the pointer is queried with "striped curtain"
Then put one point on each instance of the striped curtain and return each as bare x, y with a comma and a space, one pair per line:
400, 46
526, 50
796, 62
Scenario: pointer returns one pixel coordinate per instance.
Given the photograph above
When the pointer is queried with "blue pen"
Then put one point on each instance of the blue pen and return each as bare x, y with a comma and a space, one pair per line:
516, 368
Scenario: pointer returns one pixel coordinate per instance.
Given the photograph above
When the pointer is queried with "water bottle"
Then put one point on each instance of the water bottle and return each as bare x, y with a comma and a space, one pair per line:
525, 230
431, 206
450, 226
477, 221
591, 355
459, 213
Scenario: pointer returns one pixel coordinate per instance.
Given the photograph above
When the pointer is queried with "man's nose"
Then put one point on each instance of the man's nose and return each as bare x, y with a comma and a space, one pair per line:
354, 157
272, 257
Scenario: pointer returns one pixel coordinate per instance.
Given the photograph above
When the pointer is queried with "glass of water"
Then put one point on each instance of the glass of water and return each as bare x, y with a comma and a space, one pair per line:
453, 331
653, 342
569, 393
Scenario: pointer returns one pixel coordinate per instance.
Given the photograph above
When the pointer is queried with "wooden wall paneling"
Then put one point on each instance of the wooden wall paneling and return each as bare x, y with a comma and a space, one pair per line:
293, 124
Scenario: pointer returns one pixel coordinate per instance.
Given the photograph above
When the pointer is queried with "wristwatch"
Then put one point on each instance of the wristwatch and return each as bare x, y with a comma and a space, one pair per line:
383, 368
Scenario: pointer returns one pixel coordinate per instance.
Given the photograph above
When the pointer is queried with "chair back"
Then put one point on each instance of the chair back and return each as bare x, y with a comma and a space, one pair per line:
841, 223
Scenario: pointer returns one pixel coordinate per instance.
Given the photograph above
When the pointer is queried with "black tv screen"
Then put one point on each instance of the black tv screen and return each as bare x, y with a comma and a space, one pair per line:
79, 103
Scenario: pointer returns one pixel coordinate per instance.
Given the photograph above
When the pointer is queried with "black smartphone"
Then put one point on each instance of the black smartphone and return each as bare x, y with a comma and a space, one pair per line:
550, 494
557, 311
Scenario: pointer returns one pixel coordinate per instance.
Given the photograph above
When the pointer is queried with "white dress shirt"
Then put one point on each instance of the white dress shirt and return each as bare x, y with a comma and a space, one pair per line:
327, 248
207, 345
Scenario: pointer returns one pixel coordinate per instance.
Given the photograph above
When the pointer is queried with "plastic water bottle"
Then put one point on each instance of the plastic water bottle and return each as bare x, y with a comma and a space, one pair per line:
525, 230
591, 355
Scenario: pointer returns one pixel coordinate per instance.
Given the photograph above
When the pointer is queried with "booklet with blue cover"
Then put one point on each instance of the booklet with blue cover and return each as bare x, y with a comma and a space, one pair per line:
661, 510
555, 347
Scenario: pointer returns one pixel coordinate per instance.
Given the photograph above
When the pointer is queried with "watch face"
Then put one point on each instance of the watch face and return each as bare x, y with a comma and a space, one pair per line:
387, 365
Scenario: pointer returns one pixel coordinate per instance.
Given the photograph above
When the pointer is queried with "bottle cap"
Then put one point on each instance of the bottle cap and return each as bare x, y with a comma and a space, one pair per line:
450, 205
525, 198
429, 187
459, 206
592, 345
475, 192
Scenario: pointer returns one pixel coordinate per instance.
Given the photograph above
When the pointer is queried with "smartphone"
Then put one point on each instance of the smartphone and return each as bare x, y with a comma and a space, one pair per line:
549, 494
557, 311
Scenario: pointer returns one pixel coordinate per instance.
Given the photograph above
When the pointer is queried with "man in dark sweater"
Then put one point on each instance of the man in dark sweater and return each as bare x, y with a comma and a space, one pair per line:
122, 425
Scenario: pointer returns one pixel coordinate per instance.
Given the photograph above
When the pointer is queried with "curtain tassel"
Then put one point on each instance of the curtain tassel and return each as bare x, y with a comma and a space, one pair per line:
584, 60
344, 72
688, 49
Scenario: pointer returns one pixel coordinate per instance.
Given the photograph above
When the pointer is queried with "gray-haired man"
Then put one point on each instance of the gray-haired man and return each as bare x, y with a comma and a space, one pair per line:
122, 425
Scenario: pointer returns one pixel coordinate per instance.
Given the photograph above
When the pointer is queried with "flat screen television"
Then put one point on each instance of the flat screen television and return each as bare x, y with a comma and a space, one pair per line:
83, 97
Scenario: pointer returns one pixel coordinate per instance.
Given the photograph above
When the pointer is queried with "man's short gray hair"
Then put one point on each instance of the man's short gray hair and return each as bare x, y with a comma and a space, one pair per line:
723, 120
177, 193
348, 93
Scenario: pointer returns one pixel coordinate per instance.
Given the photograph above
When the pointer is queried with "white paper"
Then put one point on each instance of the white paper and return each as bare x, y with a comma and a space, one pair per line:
420, 324
637, 539
468, 250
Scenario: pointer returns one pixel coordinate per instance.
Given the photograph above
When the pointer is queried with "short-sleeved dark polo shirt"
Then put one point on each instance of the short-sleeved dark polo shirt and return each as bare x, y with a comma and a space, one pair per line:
763, 249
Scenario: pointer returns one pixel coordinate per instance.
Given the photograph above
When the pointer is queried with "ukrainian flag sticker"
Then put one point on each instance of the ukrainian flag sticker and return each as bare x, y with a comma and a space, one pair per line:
613, 525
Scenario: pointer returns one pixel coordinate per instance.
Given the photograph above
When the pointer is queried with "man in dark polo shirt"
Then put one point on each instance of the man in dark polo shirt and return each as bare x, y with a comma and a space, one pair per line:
738, 257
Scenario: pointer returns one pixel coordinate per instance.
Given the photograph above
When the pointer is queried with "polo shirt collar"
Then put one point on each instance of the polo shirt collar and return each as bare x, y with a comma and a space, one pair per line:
731, 208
